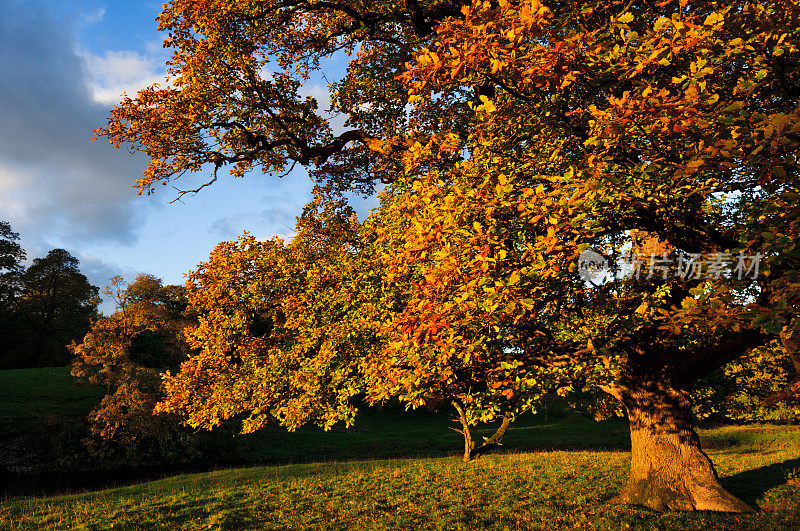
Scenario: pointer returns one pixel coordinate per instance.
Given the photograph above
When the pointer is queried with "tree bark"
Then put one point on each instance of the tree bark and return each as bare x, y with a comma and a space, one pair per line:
469, 444
471, 449
669, 470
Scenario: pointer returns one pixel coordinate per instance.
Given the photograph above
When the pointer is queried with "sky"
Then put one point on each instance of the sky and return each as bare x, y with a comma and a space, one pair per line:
63, 65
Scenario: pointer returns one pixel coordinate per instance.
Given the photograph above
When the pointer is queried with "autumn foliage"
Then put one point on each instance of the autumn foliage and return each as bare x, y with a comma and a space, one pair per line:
276, 336
515, 136
125, 353
300, 331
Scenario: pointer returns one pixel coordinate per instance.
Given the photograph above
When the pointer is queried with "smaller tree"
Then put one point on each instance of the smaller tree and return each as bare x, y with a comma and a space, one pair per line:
11, 268
125, 353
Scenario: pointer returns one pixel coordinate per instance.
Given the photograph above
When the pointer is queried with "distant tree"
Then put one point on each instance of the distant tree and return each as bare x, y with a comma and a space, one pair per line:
175, 299
57, 305
145, 288
11, 268
125, 353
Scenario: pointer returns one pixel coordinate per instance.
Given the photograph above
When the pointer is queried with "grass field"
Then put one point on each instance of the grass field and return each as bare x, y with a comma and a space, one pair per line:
551, 474
29, 395
26, 394
397, 433
542, 490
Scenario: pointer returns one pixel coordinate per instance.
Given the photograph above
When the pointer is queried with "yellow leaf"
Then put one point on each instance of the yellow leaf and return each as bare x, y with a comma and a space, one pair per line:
713, 19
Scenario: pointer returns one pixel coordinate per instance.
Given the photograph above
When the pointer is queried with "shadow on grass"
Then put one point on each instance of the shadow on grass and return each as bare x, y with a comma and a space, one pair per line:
391, 434
750, 485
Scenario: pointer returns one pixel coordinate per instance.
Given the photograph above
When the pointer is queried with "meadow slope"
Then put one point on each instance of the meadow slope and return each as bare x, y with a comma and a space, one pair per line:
540, 490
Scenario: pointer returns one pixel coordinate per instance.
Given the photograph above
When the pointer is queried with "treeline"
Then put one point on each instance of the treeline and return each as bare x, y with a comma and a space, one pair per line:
43, 308
49, 317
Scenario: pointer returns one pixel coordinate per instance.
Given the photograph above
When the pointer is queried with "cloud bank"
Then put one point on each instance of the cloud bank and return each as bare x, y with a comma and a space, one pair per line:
56, 187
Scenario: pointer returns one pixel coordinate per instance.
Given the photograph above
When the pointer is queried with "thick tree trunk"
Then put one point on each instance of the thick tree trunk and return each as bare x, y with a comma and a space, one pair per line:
669, 471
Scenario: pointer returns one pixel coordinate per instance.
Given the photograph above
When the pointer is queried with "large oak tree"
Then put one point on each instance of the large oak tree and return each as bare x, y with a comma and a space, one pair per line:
519, 135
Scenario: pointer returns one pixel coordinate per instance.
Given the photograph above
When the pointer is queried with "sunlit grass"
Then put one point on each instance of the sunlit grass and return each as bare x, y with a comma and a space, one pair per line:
530, 486
515, 490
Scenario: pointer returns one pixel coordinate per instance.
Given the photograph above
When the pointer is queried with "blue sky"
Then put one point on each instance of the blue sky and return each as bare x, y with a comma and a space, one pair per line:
63, 64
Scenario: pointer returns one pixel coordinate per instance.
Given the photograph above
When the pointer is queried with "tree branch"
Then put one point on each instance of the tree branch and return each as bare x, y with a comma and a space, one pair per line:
706, 360
784, 394
494, 440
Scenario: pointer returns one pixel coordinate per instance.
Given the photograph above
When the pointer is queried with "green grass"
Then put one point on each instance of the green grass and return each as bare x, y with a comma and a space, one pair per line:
35, 397
27, 394
541, 490
30, 396
397, 470
42, 414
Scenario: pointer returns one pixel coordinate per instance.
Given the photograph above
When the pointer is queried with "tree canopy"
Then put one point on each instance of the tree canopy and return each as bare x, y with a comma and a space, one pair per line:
761, 386
278, 336
11, 257
58, 302
42, 308
296, 331
11, 268
523, 140
125, 353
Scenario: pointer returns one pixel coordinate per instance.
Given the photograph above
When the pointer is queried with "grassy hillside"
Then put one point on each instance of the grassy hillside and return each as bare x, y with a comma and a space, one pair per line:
42, 414
26, 394
555, 472
514, 490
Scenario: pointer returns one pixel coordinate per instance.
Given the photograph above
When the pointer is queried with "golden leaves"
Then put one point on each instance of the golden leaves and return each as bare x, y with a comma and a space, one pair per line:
714, 19
488, 106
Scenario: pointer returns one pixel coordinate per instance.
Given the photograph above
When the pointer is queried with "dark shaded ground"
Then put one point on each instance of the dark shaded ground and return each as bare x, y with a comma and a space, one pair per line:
42, 424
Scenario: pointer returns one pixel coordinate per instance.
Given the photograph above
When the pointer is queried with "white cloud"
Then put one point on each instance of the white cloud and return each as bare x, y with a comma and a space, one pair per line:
99, 272
323, 97
11, 181
118, 72
94, 16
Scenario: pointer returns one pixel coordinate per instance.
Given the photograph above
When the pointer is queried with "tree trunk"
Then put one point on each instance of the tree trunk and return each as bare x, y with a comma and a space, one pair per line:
471, 449
669, 471
469, 444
